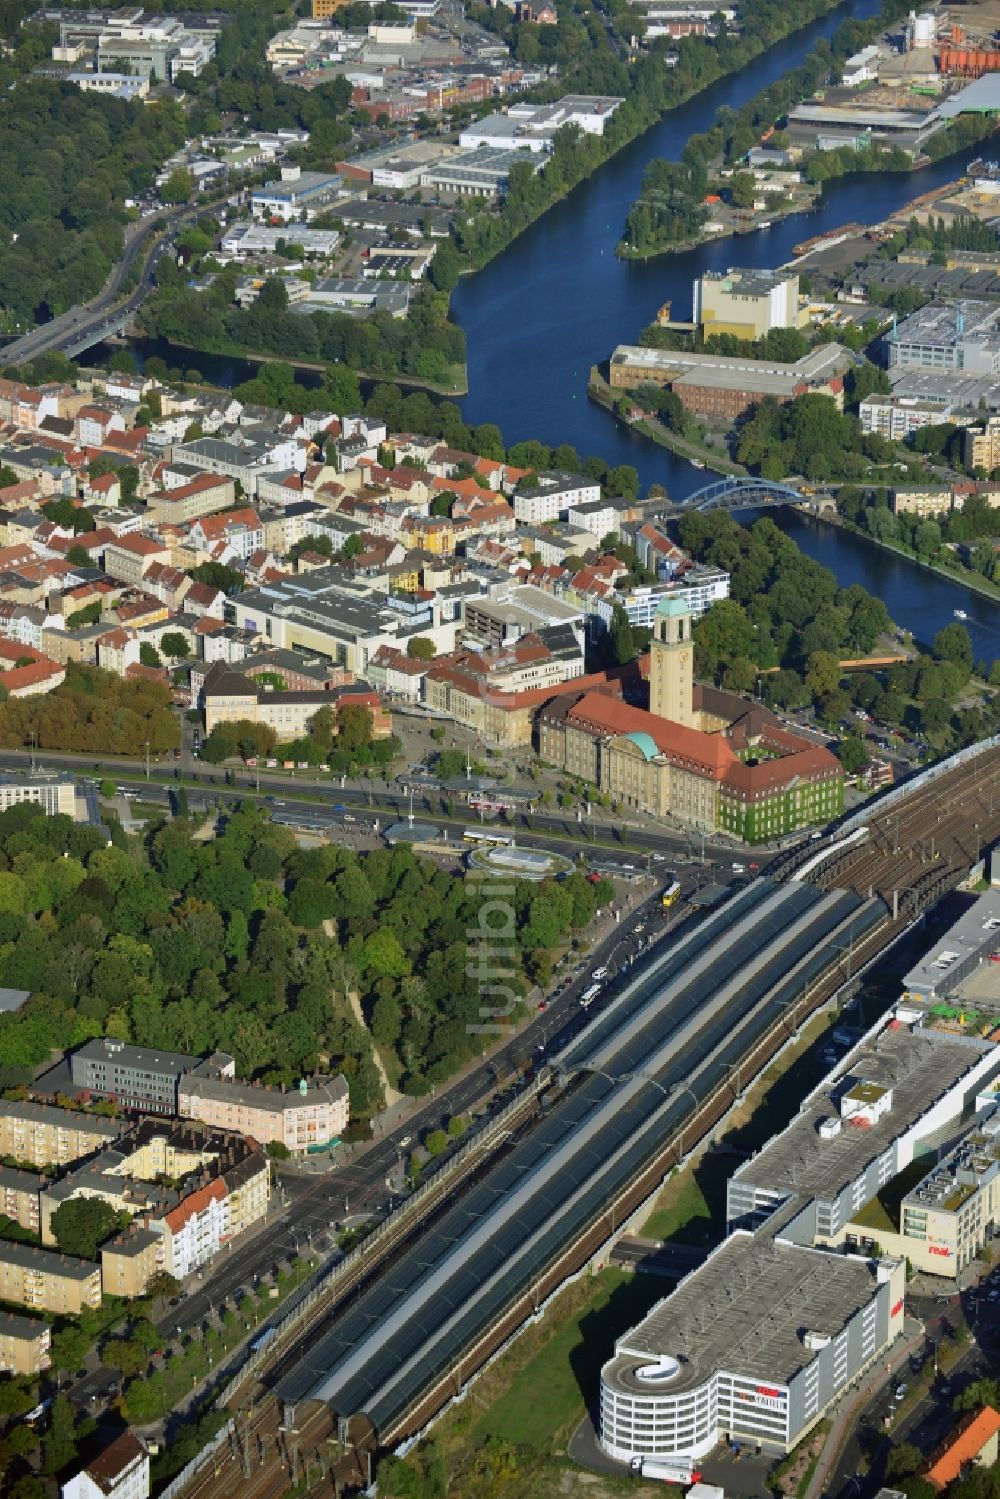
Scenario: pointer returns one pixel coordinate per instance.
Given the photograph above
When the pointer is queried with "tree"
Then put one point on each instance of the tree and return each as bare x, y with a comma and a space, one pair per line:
70, 1347
278, 1150
81, 1225
822, 673
621, 639
903, 1460
79, 556
174, 645
178, 188
421, 648
953, 643
60, 1445
162, 1286
853, 753
148, 654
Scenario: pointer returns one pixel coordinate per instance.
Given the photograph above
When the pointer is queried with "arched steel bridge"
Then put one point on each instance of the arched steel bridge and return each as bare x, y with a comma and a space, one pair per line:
738, 493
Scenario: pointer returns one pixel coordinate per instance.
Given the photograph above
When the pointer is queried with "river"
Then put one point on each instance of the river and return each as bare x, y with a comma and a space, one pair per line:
558, 300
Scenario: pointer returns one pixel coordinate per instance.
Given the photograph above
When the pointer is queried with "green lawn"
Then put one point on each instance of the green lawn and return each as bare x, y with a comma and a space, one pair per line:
549, 1395
689, 1209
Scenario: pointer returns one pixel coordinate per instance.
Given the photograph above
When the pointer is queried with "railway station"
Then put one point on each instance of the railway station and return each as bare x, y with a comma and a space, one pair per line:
660, 1050
397, 1333
756, 1343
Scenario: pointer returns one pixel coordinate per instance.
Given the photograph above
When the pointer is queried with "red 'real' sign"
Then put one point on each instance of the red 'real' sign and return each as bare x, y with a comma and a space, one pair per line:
939, 1249
763, 1389
897, 1308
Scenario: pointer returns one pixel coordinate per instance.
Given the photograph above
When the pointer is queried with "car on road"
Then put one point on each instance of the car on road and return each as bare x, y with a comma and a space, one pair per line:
600, 973
900, 1391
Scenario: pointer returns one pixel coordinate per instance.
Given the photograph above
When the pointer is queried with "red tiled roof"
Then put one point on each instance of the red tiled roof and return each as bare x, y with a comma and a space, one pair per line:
140, 546
964, 1447
612, 716
196, 1203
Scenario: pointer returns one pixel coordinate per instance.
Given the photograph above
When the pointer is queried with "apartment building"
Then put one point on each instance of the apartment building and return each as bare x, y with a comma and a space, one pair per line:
928, 504
19, 1196
129, 1262
179, 504
24, 1344
981, 445
128, 558
41, 1135
121, 1471
212, 1215
47, 1281
308, 1118
552, 494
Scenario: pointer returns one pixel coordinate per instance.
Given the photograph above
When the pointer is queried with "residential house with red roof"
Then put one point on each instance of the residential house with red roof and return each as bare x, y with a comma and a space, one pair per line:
178, 504
128, 558
240, 531
975, 1443
105, 488
94, 425
121, 1471
26, 672
118, 650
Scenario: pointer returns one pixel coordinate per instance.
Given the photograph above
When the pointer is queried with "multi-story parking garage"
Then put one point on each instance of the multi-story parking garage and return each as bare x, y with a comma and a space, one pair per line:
756, 1343
753, 1347
664, 1046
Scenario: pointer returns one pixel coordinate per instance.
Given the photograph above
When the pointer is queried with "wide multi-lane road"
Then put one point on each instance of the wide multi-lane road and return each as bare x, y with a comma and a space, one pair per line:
80, 327
325, 800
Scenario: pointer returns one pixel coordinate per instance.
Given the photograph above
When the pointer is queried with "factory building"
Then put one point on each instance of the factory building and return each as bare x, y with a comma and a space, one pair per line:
747, 304
960, 335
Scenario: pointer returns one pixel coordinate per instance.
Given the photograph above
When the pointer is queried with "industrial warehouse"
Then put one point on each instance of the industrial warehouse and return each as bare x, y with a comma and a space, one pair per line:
757, 1343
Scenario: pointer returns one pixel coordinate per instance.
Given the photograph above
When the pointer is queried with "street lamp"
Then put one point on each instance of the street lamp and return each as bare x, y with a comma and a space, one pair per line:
146, 745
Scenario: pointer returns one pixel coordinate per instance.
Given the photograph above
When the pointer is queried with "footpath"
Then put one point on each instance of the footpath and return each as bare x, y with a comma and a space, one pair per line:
847, 1417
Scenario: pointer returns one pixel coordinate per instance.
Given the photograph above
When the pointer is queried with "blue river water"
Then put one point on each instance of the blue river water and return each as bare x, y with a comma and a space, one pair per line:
558, 300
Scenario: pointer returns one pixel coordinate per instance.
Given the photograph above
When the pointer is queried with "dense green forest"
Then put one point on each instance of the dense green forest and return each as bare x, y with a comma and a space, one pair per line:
95, 712
68, 160
248, 943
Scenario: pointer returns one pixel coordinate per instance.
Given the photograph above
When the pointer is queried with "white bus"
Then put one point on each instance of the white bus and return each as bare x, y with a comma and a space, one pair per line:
588, 997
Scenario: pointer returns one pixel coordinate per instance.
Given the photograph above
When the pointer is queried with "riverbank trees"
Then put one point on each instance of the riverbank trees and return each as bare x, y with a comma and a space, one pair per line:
653, 223
424, 344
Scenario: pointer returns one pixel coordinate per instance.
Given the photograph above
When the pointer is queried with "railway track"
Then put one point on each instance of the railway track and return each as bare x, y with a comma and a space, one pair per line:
913, 854
262, 1460
943, 829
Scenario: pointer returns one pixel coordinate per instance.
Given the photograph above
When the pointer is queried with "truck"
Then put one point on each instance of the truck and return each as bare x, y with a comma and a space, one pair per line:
667, 1469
